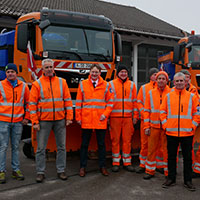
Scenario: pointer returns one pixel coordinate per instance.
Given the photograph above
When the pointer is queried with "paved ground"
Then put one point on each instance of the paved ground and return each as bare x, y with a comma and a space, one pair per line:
118, 186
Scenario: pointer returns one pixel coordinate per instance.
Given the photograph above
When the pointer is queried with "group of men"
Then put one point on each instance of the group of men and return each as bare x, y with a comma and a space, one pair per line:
168, 117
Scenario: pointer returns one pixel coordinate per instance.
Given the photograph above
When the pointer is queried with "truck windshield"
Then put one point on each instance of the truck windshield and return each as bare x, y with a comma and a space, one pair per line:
194, 54
77, 43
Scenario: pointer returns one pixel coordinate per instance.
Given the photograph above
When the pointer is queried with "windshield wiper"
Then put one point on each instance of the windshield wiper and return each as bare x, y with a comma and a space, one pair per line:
98, 54
70, 52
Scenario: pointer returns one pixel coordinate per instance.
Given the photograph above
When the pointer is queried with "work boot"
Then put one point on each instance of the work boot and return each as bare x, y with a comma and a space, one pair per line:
160, 170
115, 168
40, 178
82, 172
168, 183
140, 170
2, 177
148, 176
104, 171
18, 175
129, 168
62, 176
189, 186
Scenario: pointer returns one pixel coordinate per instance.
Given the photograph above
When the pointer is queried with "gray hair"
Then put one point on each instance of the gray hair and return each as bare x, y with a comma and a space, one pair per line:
178, 74
47, 60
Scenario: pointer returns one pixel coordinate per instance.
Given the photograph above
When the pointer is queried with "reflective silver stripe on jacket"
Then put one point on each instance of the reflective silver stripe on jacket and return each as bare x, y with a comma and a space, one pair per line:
180, 129
11, 104
144, 94
3, 93
51, 109
120, 110
41, 89
81, 87
107, 85
113, 87
10, 115
93, 106
61, 87
153, 110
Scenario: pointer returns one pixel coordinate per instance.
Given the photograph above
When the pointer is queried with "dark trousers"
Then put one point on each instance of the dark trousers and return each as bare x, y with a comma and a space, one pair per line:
86, 135
172, 147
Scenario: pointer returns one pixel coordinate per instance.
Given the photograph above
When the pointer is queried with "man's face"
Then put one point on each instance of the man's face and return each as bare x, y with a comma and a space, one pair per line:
11, 74
187, 79
153, 77
95, 73
123, 74
161, 81
179, 82
48, 69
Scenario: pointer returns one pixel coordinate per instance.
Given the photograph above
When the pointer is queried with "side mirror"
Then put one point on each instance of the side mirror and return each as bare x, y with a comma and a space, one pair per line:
22, 37
177, 54
44, 24
118, 44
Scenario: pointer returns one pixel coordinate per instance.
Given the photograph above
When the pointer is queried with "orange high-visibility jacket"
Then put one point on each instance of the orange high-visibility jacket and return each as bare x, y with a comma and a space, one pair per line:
125, 98
152, 107
141, 97
92, 102
14, 101
193, 90
50, 100
179, 113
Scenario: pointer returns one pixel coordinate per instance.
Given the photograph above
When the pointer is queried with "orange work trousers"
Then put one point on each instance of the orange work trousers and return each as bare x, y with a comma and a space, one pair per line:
144, 145
121, 131
196, 166
156, 138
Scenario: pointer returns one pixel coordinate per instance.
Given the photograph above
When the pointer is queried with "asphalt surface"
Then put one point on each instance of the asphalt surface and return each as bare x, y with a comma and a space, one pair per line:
94, 186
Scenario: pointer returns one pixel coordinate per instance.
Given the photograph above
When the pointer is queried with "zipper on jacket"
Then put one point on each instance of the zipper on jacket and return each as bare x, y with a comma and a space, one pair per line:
52, 100
179, 109
123, 99
160, 104
13, 104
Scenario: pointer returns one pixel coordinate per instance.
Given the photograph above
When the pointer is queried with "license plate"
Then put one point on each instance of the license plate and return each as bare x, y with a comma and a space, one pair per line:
82, 65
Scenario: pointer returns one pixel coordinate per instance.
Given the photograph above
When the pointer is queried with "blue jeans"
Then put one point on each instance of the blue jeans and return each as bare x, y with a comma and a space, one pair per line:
59, 129
14, 131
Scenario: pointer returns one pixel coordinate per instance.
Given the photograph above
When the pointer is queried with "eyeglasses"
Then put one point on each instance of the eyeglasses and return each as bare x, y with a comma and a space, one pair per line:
48, 67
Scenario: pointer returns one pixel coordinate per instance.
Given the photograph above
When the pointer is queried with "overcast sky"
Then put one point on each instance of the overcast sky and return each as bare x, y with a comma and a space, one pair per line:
183, 14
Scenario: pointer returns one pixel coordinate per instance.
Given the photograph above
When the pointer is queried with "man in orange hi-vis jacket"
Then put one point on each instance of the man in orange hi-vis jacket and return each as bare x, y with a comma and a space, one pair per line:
122, 118
50, 109
14, 96
94, 104
180, 117
141, 97
152, 125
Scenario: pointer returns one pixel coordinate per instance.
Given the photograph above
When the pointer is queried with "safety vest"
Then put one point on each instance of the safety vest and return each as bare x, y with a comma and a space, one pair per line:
50, 100
152, 107
179, 113
92, 102
125, 98
141, 97
13, 101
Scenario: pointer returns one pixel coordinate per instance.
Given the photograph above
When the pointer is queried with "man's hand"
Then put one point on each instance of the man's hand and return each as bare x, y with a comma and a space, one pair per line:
147, 131
134, 121
25, 121
68, 122
79, 122
103, 117
36, 127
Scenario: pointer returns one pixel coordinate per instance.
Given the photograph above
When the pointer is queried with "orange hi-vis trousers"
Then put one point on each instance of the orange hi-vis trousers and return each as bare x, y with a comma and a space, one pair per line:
144, 145
144, 149
196, 166
156, 138
121, 129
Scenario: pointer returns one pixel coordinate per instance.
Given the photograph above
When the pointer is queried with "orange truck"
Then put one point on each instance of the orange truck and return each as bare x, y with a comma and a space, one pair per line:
186, 55
74, 41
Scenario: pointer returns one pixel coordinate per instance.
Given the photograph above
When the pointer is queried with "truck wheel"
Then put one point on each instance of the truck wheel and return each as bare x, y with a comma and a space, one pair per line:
28, 151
